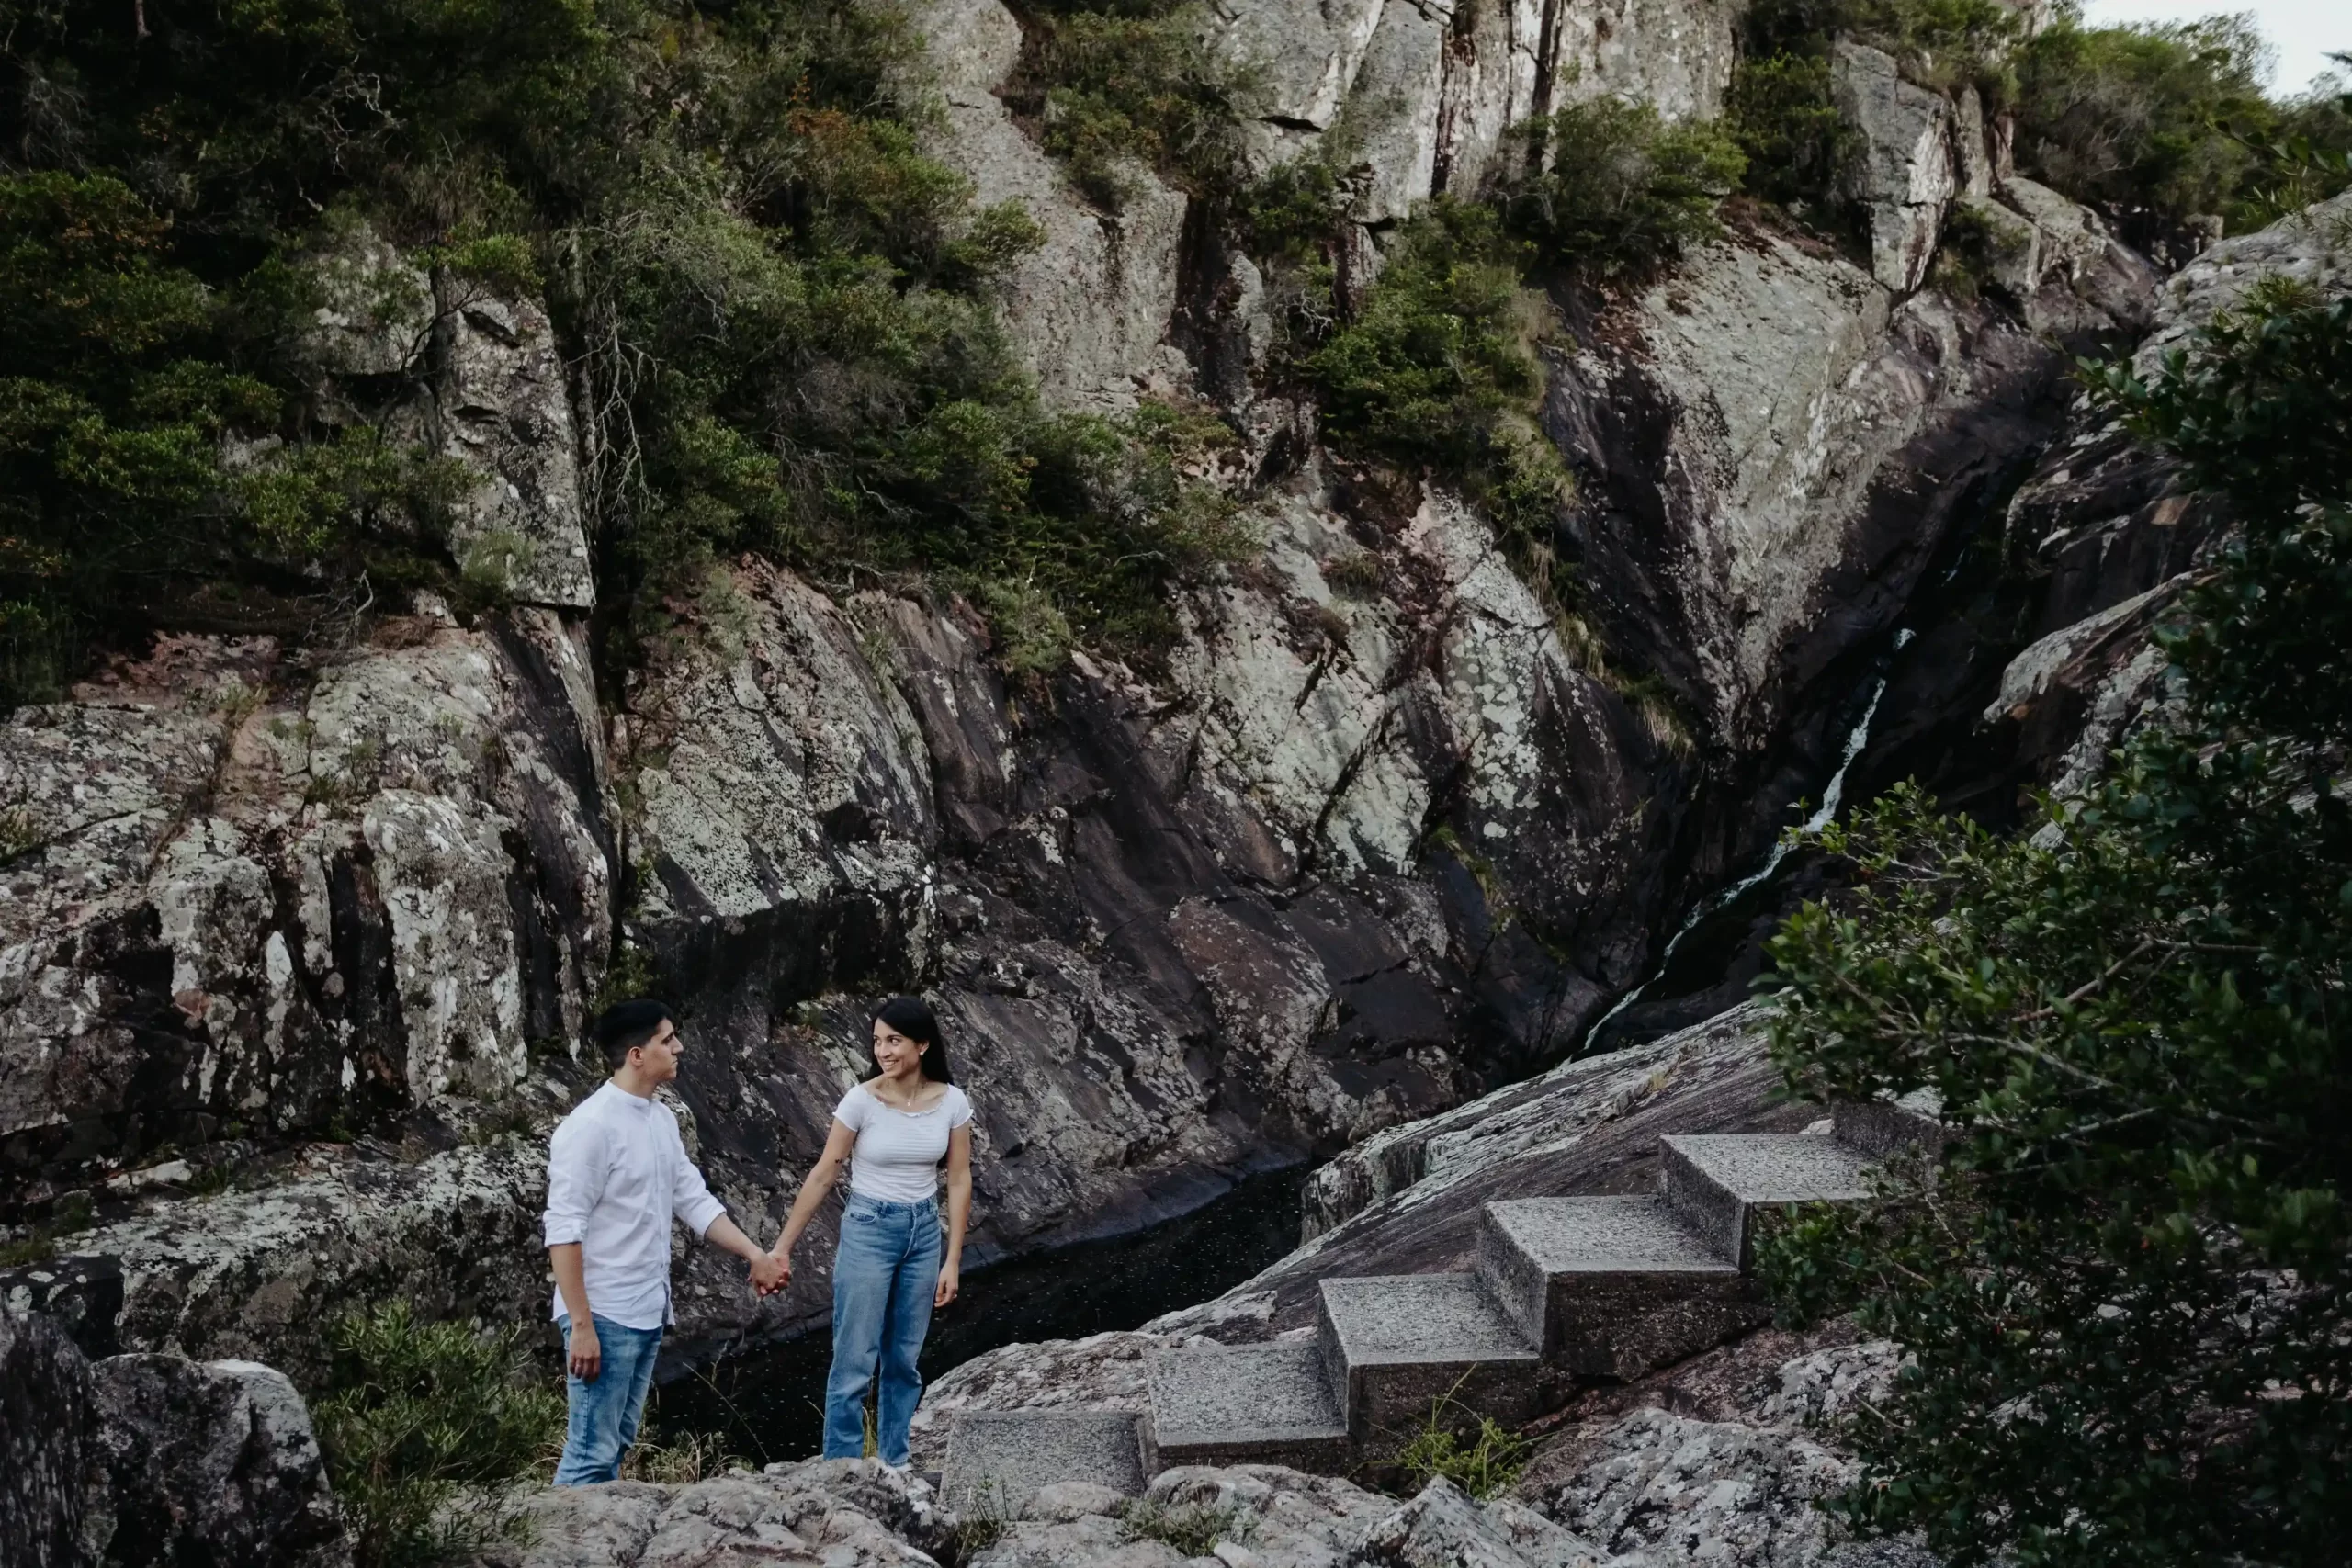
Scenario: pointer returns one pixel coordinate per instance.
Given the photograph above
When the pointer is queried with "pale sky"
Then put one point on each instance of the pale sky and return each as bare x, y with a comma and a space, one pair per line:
2303, 31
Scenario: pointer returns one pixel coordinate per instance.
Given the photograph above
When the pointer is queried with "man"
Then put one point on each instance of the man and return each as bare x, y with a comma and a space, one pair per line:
616, 1173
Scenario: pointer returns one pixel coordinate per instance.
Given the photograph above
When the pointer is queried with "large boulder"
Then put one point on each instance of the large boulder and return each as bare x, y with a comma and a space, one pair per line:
843, 1513
1086, 312
262, 901
1902, 169
48, 1444
212, 1463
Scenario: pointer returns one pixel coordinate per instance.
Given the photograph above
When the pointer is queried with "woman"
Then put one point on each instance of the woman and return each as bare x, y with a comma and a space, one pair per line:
893, 1129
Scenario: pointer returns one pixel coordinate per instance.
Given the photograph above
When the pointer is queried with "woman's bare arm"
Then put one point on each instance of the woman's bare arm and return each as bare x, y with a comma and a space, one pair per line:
821, 1180
959, 1212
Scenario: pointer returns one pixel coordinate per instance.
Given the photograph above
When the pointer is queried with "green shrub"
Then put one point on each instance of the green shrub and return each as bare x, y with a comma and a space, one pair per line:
1778, 108
1131, 81
2124, 1290
422, 1423
2169, 119
1612, 192
1435, 371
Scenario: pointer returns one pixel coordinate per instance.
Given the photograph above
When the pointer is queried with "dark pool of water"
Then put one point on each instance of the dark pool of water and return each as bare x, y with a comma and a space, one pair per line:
768, 1404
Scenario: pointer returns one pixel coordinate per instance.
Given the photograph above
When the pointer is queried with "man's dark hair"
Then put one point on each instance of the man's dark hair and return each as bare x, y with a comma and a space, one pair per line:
624, 1026
912, 1017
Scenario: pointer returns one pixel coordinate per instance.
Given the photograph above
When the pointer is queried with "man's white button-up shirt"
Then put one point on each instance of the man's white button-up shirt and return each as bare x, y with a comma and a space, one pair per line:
617, 1174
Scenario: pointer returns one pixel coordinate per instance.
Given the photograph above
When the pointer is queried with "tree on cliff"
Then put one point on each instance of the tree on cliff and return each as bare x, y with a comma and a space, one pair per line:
2126, 1286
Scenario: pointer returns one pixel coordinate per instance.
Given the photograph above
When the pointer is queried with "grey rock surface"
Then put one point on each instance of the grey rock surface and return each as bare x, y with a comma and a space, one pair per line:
1903, 170
1086, 312
211, 1462
2112, 537
840, 1512
49, 1436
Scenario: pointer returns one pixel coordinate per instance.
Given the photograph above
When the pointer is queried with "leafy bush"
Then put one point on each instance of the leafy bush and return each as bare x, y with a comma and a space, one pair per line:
776, 303
1435, 372
2169, 119
1779, 110
2126, 1293
1612, 192
420, 1424
1131, 80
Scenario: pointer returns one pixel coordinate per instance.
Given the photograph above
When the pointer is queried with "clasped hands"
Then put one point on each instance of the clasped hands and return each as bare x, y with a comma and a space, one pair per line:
770, 1273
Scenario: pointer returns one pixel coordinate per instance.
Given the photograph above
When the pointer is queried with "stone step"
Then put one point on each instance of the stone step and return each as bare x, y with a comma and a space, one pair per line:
1396, 1345
1717, 1181
1880, 1127
998, 1459
1247, 1405
1611, 1287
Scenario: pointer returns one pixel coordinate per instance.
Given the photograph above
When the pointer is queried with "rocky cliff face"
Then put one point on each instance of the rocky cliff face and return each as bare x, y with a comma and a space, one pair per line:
296, 943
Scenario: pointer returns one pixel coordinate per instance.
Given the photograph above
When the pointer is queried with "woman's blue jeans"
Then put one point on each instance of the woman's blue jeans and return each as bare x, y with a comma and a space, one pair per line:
604, 1413
885, 1273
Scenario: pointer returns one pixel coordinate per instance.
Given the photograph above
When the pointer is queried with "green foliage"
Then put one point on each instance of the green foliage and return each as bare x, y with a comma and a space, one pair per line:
1132, 81
776, 302
1611, 192
2172, 118
1778, 107
1193, 1528
1483, 1459
2127, 1291
1435, 372
1779, 110
420, 1424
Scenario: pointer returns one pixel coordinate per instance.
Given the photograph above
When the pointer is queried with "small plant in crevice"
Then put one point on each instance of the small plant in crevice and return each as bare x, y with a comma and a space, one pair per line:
1436, 372
1476, 1453
1193, 1528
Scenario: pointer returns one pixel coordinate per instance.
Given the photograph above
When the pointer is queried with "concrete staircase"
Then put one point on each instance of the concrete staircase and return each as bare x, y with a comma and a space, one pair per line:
1564, 1289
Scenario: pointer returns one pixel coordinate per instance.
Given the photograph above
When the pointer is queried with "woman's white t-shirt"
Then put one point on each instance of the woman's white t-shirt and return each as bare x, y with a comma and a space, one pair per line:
896, 1155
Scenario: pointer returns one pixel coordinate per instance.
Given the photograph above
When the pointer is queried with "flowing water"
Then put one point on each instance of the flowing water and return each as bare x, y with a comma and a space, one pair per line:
1833, 798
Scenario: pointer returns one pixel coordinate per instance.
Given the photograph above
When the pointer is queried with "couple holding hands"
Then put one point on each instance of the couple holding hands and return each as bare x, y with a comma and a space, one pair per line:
617, 1175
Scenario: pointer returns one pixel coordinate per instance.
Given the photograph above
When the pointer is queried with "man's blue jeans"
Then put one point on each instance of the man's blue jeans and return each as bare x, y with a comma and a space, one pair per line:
604, 1413
885, 1273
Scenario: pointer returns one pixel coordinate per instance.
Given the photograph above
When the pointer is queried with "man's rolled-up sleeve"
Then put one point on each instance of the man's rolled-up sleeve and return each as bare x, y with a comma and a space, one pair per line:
575, 1181
689, 1198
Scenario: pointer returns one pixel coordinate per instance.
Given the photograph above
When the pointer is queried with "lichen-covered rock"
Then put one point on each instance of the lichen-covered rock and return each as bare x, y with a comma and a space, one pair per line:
1902, 172
503, 408
842, 1513
211, 1462
1773, 449
48, 1445
2078, 276
265, 1272
248, 901
1086, 312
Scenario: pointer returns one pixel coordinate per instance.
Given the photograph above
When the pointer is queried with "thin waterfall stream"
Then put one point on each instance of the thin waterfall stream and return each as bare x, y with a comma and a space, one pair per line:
1833, 798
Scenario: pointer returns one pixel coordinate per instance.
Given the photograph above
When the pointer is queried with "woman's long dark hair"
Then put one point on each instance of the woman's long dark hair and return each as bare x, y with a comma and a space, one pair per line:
912, 1017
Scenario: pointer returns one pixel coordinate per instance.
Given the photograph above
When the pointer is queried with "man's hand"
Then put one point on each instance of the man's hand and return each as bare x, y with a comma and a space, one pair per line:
949, 1277
770, 1273
587, 1356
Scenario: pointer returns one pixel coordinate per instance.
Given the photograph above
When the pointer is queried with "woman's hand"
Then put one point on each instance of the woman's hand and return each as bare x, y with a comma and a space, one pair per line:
950, 1276
784, 1266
